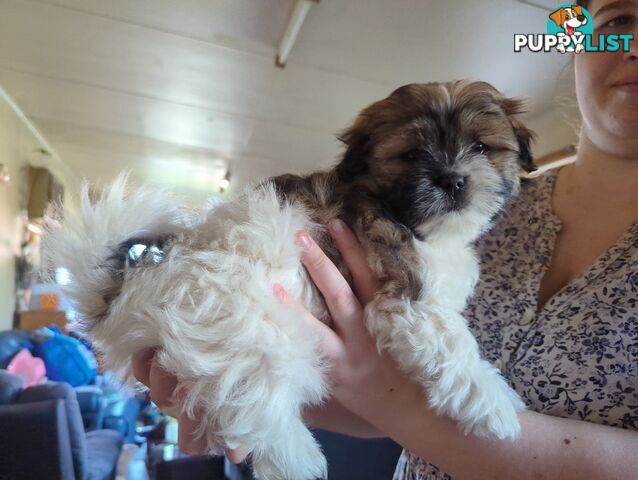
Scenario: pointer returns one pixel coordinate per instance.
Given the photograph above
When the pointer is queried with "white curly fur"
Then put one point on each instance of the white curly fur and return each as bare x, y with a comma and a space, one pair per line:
242, 357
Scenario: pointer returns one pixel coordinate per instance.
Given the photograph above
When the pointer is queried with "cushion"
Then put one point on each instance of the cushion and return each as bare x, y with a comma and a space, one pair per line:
104, 448
30, 368
10, 387
48, 391
11, 342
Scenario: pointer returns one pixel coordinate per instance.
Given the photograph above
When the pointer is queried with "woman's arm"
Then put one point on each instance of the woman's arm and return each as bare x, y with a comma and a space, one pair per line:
548, 448
371, 387
336, 418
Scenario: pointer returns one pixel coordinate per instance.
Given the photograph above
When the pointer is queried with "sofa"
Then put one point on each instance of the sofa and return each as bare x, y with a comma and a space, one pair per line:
42, 435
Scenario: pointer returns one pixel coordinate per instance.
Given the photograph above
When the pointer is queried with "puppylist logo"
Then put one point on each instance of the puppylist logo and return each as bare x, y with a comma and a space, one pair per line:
570, 29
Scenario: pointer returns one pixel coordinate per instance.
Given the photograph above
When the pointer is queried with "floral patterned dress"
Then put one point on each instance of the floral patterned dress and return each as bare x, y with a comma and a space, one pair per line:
578, 356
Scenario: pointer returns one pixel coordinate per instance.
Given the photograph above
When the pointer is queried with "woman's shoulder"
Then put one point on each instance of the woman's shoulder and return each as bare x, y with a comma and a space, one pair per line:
534, 200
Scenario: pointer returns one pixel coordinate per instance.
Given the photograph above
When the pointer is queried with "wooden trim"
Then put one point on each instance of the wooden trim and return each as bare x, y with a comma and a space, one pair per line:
559, 154
552, 160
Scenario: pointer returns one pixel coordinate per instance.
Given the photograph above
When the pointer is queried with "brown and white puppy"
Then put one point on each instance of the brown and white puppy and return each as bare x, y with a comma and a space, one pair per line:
425, 172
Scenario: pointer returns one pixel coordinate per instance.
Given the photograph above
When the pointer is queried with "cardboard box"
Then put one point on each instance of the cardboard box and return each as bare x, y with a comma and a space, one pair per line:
34, 319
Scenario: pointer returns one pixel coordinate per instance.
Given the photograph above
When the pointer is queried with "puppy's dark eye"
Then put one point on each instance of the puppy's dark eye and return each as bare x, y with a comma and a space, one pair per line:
412, 156
480, 148
140, 254
135, 253
417, 155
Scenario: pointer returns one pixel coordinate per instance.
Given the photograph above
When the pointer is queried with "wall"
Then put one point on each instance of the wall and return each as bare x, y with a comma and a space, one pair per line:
553, 131
20, 145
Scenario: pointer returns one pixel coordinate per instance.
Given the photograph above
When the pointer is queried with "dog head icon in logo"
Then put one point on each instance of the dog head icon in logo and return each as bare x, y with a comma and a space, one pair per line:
567, 20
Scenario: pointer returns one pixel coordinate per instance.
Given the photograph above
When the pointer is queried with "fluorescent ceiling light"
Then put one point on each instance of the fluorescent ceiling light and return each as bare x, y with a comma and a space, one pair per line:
5, 178
297, 18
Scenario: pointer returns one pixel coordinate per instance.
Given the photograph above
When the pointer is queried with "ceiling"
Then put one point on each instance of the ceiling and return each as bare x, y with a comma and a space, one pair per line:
177, 90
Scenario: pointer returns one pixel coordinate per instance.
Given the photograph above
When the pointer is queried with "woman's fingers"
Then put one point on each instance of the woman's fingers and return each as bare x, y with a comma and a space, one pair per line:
190, 443
236, 456
160, 383
365, 282
329, 343
187, 441
341, 301
162, 386
142, 365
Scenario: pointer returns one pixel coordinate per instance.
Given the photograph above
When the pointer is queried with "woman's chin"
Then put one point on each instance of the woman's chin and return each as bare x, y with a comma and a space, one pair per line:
623, 122
627, 129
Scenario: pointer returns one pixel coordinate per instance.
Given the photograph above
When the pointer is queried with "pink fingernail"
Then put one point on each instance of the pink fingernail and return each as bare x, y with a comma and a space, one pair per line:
336, 226
303, 240
279, 291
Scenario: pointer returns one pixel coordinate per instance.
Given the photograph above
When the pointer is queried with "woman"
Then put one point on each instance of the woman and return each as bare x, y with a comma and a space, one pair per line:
556, 309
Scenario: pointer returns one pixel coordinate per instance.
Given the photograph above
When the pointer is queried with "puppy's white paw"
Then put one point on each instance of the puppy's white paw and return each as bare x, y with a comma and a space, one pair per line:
495, 415
479, 399
295, 455
500, 420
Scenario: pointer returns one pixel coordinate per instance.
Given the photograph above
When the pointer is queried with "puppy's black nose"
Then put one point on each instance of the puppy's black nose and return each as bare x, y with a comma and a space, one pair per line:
453, 184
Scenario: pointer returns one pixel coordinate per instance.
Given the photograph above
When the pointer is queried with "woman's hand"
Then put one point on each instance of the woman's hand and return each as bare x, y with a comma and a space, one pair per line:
358, 372
162, 389
162, 386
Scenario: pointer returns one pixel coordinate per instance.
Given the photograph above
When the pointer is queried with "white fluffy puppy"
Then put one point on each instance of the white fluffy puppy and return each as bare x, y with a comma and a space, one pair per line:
425, 172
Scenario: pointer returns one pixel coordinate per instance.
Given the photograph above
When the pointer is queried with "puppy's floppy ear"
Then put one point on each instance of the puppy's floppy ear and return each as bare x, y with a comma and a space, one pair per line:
558, 16
524, 136
372, 123
358, 147
512, 106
